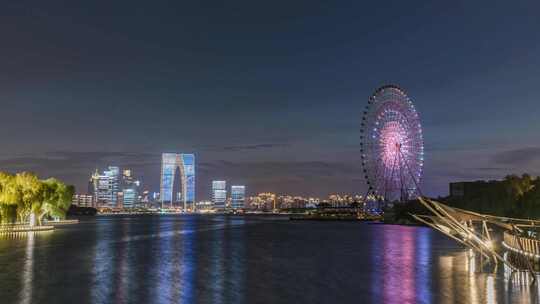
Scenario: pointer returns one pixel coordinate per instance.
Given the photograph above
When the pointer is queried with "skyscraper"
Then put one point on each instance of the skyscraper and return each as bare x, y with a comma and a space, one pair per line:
219, 194
186, 165
106, 186
238, 197
130, 190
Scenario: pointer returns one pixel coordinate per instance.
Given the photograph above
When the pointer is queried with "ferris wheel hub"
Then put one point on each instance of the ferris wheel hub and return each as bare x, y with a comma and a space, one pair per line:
392, 144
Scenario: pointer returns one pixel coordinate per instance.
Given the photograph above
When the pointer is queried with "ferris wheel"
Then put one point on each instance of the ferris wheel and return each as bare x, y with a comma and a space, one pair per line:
391, 145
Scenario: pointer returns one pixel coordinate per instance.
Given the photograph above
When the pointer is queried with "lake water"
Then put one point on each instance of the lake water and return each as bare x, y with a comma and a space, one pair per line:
244, 259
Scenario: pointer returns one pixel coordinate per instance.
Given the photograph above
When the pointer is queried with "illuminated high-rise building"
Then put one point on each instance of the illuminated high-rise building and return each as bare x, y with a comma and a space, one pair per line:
186, 165
130, 190
238, 197
219, 194
106, 187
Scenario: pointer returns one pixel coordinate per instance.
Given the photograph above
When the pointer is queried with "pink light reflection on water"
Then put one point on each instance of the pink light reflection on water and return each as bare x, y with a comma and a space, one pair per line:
399, 263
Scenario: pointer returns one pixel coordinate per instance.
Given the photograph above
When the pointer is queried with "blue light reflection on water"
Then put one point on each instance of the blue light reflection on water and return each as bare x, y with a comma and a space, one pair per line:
123, 271
423, 262
103, 264
237, 261
217, 266
187, 263
228, 259
175, 261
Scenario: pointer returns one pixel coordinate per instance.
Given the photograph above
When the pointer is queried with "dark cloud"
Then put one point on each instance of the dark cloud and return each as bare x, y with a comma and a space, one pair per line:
294, 177
491, 169
518, 157
76, 167
255, 146
250, 84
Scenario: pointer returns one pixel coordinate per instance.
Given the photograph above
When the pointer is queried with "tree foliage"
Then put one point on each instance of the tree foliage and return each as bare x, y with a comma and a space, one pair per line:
24, 194
514, 196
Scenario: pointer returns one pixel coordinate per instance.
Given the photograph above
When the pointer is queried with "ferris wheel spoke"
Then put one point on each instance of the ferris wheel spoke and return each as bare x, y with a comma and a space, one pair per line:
392, 143
417, 187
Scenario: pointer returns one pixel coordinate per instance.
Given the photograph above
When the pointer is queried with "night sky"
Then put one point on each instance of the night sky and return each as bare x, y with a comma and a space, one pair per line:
266, 93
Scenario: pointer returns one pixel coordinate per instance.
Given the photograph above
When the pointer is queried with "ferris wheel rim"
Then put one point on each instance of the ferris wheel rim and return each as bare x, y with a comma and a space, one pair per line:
398, 112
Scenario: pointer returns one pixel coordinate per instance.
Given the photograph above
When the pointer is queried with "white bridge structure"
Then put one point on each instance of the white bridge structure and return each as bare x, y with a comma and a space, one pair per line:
476, 231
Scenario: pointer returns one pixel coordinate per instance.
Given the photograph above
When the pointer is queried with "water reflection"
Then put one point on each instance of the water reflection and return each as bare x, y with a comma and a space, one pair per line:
187, 263
470, 267
423, 260
177, 264
28, 271
403, 273
122, 273
399, 271
490, 290
235, 271
217, 266
228, 259
103, 265
446, 264
184, 265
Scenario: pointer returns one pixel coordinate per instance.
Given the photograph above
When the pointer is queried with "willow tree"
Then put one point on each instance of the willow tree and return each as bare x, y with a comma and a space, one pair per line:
23, 197
56, 199
31, 195
9, 198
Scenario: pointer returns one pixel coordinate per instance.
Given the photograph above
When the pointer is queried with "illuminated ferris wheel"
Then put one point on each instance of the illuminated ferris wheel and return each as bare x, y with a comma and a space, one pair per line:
391, 145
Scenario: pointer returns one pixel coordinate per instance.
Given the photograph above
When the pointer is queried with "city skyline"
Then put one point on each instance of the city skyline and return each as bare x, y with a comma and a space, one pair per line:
275, 105
273, 152
125, 191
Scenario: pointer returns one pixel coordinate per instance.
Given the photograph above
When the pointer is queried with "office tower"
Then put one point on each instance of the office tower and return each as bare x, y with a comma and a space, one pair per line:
219, 194
130, 190
185, 163
106, 187
83, 200
238, 197
120, 199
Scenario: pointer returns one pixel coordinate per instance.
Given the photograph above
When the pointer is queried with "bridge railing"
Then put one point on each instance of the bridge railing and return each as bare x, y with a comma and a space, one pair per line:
526, 246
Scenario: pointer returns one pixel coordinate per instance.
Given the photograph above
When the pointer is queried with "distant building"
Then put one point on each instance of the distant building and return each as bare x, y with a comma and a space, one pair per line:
204, 206
219, 194
457, 189
130, 198
238, 197
144, 198
344, 200
186, 165
130, 190
106, 187
83, 200
263, 201
473, 189
120, 200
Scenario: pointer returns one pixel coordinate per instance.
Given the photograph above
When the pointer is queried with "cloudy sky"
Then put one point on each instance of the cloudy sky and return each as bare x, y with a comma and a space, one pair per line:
266, 94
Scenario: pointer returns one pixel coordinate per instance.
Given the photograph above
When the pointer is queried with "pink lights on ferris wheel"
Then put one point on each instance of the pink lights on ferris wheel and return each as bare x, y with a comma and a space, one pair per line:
392, 146
392, 139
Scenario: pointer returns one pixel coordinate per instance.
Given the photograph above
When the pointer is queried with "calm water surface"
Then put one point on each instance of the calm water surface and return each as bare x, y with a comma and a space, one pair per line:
228, 259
